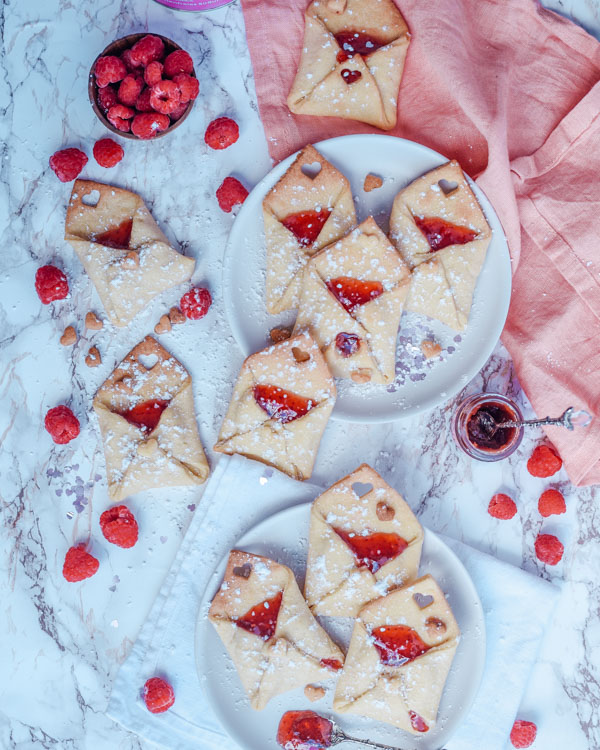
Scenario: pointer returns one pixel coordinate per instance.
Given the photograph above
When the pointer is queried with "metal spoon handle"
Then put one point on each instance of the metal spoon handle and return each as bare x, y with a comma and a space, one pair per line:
533, 422
340, 736
569, 418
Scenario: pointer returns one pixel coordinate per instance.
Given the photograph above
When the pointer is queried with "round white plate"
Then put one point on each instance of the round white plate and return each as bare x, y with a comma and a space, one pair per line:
420, 384
283, 537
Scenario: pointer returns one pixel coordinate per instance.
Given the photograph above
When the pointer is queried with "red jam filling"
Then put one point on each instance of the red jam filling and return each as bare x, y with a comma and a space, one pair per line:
483, 438
351, 293
304, 730
262, 619
398, 644
347, 344
283, 406
306, 225
440, 233
147, 414
356, 43
334, 664
417, 722
350, 76
117, 237
373, 551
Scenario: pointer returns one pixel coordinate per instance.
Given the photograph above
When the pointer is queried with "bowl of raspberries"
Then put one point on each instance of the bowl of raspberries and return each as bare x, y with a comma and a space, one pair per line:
142, 86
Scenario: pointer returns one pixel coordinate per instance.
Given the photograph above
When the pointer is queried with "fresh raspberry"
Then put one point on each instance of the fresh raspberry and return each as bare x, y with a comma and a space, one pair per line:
195, 303
179, 111
107, 152
544, 462
548, 549
147, 125
143, 101
119, 116
165, 96
158, 695
68, 163
109, 69
188, 86
221, 133
231, 193
51, 284
153, 73
130, 88
551, 503
523, 733
62, 424
79, 564
147, 49
178, 62
131, 66
502, 506
119, 526
107, 97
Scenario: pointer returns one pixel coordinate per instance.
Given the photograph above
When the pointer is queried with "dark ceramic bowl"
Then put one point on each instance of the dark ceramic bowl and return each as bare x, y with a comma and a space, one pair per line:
117, 48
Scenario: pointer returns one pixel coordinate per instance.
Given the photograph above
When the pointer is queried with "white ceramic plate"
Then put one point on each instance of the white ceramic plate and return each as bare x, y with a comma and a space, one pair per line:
283, 537
420, 384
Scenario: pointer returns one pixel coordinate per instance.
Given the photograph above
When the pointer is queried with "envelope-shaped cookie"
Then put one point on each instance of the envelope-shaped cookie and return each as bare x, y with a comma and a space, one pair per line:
308, 208
400, 653
273, 639
363, 540
148, 425
352, 61
352, 299
122, 249
280, 406
440, 229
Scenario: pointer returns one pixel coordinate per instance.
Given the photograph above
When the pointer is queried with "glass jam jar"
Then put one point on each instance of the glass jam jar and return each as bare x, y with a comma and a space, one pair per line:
469, 426
194, 5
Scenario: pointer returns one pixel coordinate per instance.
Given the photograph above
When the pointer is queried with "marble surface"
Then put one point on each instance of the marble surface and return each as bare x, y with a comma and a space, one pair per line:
62, 644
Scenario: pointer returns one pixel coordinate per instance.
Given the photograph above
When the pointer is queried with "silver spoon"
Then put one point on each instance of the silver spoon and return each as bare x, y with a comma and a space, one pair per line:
338, 735
569, 419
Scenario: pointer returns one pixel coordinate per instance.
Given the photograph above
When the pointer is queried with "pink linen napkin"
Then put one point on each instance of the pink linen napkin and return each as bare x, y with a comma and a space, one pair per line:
509, 89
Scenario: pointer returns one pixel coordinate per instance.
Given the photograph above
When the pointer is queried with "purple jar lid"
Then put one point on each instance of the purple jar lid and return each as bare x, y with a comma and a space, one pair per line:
194, 5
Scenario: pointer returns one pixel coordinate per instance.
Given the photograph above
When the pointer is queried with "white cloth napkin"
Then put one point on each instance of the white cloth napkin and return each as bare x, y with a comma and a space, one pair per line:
241, 493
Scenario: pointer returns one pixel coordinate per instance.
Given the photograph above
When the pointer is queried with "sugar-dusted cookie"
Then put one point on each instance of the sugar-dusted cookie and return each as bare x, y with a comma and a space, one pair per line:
352, 61
148, 425
441, 230
280, 406
363, 540
400, 653
352, 299
273, 639
122, 249
308, 208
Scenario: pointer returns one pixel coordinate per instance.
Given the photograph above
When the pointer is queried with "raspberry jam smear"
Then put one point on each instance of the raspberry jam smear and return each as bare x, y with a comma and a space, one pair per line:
283, 406
334, 664
397, 644
351, 293
262, 619
350, 76
117, 237
373, 551
356, 43
147, 414
441, 233
304, 730
347, 344
418, 722
306, 225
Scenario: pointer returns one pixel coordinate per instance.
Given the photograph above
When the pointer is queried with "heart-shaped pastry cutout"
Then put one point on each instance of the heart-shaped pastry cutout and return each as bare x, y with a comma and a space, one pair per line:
311, 170
243, 571
91, 199
384, 512
147, 360
423, 600
447, 187
299, 355
362, 488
